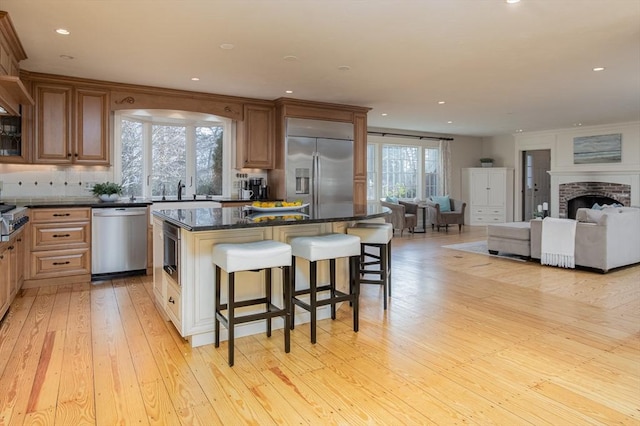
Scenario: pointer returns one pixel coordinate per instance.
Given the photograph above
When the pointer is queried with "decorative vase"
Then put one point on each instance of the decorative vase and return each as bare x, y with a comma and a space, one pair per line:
109, 198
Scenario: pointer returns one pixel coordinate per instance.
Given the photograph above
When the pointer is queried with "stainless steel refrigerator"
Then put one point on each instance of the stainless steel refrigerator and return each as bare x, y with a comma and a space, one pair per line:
319, 162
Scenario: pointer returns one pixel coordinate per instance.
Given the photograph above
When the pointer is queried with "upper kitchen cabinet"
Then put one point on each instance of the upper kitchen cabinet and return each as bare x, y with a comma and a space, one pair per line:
255, 146
71, 124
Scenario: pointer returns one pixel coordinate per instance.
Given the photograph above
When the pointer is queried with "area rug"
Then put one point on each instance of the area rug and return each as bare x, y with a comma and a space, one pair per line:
480, 247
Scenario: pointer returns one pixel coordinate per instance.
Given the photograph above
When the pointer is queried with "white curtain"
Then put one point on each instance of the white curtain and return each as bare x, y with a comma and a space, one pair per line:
445, 167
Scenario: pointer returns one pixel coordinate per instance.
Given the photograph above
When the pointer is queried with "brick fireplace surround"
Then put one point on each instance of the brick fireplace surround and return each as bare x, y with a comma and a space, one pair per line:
568, 191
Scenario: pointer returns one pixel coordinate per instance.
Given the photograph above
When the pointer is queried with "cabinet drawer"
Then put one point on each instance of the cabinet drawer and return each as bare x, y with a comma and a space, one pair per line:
51, 236
59, 215
173, 303
485, 211
487, 219
57, 263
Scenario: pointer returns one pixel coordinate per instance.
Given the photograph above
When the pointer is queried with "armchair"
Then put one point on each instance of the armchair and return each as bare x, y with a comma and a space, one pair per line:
403, 215
438, 218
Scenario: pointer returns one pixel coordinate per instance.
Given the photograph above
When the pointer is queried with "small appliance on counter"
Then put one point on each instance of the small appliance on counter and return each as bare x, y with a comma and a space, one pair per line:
259, 188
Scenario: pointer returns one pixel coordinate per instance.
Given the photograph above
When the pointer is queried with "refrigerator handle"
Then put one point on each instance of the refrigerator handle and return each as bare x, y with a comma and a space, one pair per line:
315, 172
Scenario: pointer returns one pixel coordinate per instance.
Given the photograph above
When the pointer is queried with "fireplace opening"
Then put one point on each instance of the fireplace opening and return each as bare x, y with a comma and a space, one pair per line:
587, 201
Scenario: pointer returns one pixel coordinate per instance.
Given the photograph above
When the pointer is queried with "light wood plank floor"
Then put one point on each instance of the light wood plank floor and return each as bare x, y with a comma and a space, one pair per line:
467, 339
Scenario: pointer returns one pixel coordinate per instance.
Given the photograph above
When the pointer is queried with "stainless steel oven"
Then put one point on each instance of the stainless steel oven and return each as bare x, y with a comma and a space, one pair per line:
171, 263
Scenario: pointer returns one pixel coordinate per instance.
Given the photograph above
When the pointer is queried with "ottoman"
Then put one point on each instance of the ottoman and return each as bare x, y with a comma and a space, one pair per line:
510, 237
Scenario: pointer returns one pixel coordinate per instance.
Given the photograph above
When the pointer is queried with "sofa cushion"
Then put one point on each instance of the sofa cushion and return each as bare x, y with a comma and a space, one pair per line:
509, 230
443, 201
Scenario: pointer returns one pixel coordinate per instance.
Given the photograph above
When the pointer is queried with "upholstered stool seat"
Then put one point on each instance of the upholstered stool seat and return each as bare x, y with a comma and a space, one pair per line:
325, 247
378, 236
252, 256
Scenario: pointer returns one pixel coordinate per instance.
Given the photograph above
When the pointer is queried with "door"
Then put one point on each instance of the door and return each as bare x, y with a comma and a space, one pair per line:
536, 181
335, 171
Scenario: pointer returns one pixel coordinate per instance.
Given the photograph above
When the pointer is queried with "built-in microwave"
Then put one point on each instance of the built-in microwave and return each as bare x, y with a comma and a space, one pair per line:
171, 263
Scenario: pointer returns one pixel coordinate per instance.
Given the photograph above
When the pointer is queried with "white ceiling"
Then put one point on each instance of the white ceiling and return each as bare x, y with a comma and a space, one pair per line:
499, 67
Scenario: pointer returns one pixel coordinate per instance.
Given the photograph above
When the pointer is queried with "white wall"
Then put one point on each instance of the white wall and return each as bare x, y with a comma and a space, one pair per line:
560, 143
501, 148
466, 151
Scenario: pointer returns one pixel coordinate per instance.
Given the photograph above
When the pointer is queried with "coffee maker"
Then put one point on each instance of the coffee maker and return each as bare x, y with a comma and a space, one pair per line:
259, 188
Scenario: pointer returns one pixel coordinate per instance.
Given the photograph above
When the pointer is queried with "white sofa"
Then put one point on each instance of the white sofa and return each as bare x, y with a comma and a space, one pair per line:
605, 239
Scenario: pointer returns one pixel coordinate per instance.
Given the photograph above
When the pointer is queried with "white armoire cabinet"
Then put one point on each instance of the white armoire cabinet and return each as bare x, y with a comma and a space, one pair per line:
488, 192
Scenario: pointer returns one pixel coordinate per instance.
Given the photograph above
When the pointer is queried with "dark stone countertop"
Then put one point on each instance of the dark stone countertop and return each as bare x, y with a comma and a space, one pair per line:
80, 202
209, 219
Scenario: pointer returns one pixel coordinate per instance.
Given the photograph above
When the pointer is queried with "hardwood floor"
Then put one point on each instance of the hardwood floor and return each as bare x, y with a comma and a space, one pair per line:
467, 339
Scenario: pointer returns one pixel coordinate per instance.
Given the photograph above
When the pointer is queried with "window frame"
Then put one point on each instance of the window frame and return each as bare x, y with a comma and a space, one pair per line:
379, 141
190, 121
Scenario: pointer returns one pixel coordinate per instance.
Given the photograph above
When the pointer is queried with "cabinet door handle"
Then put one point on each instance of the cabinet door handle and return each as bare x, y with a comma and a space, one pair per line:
171, 300
61, 214
61, 263
61, 235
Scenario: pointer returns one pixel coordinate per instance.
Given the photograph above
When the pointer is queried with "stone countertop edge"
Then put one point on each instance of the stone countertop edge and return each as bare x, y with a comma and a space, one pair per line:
168, 216
95, 203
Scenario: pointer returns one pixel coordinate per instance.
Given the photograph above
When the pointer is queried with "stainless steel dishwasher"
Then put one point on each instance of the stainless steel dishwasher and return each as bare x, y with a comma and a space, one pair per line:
118, 241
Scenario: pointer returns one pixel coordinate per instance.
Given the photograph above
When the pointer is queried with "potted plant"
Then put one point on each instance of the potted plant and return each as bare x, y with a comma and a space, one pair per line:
108, 191
486, 162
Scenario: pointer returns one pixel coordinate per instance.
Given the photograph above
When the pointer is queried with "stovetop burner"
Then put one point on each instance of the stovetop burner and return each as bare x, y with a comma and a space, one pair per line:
6, 207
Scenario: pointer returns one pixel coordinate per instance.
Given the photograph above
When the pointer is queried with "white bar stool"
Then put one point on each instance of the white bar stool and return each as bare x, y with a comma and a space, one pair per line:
253, 256
377, 235
325, 247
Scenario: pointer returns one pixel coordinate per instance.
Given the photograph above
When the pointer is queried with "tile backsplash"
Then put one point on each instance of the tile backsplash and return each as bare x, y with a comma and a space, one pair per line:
35, 181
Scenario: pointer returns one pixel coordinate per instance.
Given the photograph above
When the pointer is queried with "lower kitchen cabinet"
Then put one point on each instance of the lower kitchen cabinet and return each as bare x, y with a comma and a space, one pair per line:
5, 285
11, 269
60, 246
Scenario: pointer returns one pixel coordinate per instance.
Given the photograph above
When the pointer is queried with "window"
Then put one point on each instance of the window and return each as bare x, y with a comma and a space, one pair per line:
372, 172
402, 167
158, 151
399, 171
431, 172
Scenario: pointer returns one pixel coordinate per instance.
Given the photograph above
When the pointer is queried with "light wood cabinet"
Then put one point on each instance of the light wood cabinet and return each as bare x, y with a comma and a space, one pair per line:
71, 125
11, 269
489, 194
60, 246
5, 284
256, 136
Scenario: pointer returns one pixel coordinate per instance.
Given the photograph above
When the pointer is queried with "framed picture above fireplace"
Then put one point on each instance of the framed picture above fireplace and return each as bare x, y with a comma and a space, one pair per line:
597, 149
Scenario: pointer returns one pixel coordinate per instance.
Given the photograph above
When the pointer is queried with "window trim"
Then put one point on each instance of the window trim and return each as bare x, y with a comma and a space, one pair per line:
380, 141
190, 122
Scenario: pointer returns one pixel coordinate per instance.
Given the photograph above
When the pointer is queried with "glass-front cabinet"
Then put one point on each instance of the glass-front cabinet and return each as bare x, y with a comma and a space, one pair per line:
11, 141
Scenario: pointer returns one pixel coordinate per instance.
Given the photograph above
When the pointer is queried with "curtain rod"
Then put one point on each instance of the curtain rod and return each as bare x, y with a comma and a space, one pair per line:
410, 136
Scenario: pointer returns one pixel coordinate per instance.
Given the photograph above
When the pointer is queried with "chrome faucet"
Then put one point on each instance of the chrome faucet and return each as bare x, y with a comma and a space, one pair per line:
180, 188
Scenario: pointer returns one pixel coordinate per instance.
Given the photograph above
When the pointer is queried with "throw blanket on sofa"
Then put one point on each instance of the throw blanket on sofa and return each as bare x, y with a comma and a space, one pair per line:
558, 242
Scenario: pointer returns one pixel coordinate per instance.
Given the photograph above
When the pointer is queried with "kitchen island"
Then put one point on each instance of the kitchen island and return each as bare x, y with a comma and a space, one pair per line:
183, 274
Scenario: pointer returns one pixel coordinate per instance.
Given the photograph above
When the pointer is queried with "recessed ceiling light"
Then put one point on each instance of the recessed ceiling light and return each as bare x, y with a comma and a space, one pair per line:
441, 102
598, 69
226, 46
68, 57
384, 114
449, 122
288, 91
344, 68
195, 79
290, 58
62, 31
